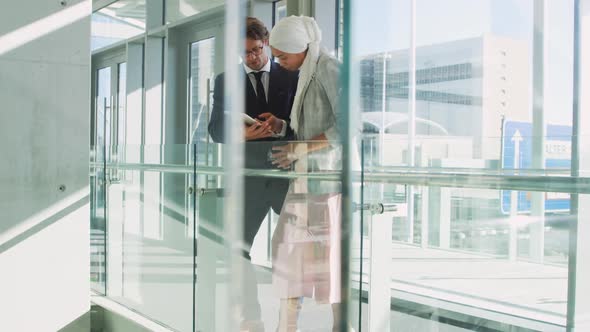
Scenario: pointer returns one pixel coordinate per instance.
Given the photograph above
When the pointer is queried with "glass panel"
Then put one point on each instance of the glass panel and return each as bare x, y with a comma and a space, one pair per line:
98, 155
179, 9
303, 290
475, 256
120, 20
473, 96
471, 81
122, 105
293, 267
151, 238
474, 241
103, 109
202, 64
97, 224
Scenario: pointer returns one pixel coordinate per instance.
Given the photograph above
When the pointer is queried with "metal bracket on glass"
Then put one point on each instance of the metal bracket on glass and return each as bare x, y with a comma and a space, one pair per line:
114, 180
375, 208
203, 191
110, 179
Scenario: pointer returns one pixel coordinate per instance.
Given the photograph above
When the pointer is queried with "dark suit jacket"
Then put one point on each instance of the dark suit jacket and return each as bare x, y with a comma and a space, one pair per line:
282, 86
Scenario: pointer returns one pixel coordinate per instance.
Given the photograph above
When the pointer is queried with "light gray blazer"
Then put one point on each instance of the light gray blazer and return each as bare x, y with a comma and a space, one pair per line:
321, 101
319, 114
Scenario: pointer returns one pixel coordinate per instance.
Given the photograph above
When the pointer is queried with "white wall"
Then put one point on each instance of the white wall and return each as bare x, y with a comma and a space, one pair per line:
44, 120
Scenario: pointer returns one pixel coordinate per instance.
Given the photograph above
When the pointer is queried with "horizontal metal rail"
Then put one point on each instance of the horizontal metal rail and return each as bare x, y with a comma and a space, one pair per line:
483, 179
498, 171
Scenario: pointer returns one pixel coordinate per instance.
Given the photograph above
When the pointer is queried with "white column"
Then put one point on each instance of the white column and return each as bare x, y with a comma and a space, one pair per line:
425, 217
412, 118
579, 309
153, 135
133, 211
537, 229
207, 295
439, 212
154, 13
380, 233
234, 164
324, 12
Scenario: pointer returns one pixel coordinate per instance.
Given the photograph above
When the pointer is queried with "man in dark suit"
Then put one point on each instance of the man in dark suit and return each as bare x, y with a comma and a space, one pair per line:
270, 90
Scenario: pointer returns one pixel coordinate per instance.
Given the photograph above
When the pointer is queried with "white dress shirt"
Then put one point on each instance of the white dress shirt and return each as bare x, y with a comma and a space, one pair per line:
265, 76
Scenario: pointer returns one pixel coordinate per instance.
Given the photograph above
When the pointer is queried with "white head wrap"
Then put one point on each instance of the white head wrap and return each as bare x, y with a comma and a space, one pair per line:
295, 34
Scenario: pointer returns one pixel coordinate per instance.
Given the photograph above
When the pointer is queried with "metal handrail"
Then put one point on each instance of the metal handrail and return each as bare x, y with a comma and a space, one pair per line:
483, 179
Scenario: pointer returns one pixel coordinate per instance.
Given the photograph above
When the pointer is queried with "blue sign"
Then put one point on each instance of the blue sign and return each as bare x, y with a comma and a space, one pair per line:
517, 153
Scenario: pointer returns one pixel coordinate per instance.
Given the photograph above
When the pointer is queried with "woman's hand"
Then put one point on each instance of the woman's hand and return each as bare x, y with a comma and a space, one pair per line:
257, 131
285, 155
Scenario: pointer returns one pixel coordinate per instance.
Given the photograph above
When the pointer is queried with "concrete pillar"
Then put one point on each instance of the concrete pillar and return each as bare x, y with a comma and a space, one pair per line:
44, 233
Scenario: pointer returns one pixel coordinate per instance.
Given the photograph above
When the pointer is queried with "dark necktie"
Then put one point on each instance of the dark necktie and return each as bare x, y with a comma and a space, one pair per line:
260, 95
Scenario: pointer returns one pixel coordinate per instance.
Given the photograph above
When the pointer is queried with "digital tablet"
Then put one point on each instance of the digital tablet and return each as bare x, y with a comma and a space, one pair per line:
249, 120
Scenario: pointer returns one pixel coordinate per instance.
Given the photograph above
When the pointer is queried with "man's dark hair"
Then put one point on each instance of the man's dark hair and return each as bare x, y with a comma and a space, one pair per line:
255, 29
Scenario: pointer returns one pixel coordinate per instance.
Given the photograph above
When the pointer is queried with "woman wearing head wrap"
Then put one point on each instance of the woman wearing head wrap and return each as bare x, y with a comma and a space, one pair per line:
306, 242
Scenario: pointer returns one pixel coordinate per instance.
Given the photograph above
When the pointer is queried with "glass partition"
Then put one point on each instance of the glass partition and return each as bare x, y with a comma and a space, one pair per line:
289, 263
150, 235
469, 131
99, 154
472, 237
167, 243
98, 245
467, 254
309, 286
457, 209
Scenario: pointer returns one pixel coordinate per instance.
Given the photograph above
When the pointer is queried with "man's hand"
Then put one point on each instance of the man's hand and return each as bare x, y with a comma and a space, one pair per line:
275, 124
257, 131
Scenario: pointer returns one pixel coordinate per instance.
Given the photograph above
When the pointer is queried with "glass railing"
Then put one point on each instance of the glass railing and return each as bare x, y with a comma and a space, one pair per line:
148, 233
478, 243
456, 240
97, 219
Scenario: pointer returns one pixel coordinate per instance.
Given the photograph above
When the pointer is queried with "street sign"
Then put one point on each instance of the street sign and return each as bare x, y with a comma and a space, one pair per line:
517, 153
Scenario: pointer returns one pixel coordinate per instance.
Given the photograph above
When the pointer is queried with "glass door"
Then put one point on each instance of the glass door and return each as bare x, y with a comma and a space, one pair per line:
98, 180
204, 48
108, 97
201, 81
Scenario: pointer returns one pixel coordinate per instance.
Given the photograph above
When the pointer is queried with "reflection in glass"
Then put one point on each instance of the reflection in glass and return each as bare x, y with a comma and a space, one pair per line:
483, 75
202, 62
122, 106
119, 21
179, 9
100, 151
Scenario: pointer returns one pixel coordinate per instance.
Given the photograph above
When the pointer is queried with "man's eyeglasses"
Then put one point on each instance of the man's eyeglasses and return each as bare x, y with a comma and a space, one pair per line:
255, 51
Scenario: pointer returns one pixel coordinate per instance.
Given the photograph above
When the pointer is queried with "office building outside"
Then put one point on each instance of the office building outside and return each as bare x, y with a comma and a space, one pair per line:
468, 87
